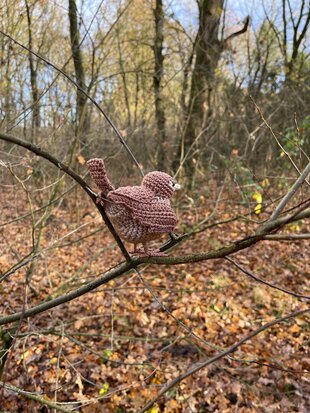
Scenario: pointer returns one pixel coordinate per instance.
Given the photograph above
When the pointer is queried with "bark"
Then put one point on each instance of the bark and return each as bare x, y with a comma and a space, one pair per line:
33, 76
6, 341
81, 99
208, 49
123, 74
300, 28
157, 84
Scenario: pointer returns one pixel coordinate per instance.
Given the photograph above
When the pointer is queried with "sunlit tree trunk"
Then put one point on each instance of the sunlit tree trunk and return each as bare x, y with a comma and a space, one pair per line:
207, 54
33, 76
157, 84
300, 27
81, 108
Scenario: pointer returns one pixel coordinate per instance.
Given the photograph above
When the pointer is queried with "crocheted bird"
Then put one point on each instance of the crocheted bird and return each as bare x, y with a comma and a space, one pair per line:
138, 213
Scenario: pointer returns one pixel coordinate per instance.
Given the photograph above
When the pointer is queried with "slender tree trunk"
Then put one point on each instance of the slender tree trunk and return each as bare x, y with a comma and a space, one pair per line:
157, 84
81, 107
6, 341
33, 76
121, 65
300, 29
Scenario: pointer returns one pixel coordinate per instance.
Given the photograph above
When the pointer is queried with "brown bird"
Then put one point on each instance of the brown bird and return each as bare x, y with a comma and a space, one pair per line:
138, 213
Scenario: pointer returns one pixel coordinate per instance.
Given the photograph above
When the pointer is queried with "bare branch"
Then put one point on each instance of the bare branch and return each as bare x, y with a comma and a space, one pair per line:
241, 31
34, 396
276, 287
275, 137
290, 193
198, 366
107, 118
287, 237
47, 305
40, 152
135, 262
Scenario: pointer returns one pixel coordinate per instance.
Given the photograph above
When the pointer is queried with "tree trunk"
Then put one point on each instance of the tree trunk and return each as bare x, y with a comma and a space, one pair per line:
81, 108
300, 28
33, 77
123, 73
208, 50
6, 341
157, 80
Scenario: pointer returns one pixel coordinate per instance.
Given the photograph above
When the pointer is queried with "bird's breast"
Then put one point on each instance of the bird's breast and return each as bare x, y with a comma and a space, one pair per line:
126, 226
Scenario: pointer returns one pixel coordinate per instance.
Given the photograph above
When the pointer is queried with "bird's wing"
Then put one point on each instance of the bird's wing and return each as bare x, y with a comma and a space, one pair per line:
148, 210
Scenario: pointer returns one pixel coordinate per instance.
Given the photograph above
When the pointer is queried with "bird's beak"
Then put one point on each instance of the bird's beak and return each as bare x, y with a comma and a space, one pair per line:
176, 187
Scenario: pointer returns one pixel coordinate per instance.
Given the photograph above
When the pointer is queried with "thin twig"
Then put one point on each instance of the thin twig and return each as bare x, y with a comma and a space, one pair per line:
198, 366
254, 277
34, 396
275, 137
107, 118
286, 237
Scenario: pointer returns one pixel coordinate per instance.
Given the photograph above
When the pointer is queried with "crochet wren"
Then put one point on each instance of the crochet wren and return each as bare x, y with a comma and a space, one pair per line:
138, 213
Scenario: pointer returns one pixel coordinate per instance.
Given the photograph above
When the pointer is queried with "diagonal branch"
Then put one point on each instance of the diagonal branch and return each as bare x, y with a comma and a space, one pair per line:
275, 137
47, 305
241, 31
107, 118
254, 277
136, 262
198, 366
34, 396
291, 193
40, 152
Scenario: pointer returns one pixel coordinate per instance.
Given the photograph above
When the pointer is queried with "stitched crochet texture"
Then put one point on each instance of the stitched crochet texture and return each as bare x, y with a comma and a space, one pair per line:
138, 213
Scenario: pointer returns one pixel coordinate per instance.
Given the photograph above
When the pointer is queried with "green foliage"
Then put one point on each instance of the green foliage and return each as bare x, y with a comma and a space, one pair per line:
295, 139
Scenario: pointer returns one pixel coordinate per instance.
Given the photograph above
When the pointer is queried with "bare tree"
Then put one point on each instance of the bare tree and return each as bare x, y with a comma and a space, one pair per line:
157, 84
81, 106
208, 50
33, 74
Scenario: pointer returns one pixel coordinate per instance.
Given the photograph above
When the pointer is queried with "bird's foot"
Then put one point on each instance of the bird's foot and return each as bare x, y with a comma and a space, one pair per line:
152, 253
99, 199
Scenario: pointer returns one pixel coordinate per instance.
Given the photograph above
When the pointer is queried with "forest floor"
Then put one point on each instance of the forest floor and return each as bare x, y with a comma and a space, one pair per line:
112, 349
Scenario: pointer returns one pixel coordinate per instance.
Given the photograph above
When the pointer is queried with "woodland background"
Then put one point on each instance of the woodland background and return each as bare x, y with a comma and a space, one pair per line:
216, 92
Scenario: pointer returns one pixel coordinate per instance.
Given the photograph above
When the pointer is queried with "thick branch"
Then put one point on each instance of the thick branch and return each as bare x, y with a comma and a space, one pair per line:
108, 276
40, 152
124, 267
290, 193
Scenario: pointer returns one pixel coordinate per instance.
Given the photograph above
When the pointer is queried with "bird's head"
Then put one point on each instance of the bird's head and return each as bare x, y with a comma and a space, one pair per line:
162, 184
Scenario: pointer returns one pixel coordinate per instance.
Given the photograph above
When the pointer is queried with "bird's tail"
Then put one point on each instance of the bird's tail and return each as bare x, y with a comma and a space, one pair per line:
99, 175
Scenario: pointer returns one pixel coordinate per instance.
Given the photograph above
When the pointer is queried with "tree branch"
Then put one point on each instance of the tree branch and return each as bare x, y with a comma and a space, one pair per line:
137, 261
34, 396
198, 366
254, 277
290, 193
286, 237
40, 152
241, 31
275, 137
114, 128
47, 305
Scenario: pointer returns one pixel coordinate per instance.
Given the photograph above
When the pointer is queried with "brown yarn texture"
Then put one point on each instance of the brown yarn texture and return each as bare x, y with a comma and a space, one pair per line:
138, 213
